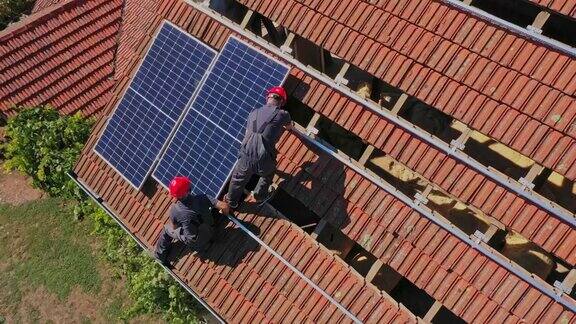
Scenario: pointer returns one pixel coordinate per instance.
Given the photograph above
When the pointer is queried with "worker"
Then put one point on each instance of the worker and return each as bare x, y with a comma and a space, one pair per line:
258, 149
191, 221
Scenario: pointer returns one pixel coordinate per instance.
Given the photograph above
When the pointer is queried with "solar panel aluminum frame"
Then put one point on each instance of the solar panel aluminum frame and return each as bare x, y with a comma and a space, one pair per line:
177, 122
288, 67
191, 102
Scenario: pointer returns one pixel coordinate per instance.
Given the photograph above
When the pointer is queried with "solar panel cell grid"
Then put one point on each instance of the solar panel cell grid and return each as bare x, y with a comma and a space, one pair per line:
145, 117
206, 144
136, 129
236, 85
172, 70
210, 154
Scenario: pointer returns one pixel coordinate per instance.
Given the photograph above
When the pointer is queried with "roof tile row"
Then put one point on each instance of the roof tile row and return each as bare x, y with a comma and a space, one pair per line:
432, 258
565, 7
455, 177
432, 67
49, 56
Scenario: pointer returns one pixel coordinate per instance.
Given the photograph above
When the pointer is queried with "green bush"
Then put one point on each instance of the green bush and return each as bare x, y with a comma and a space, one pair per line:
151, 288
12, 10
45, 145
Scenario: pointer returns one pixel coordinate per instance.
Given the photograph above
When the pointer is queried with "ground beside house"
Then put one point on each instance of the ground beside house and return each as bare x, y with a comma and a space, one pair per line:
50, 268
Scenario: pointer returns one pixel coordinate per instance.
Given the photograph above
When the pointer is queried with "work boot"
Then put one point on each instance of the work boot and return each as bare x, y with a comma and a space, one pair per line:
233, 205
264, 199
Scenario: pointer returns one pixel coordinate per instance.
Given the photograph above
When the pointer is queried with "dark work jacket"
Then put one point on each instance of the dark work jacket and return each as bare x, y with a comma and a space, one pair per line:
263, 129
192, 211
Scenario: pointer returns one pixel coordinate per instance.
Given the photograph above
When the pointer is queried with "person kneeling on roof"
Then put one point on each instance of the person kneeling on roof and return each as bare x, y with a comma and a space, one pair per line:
191, 220
258, 149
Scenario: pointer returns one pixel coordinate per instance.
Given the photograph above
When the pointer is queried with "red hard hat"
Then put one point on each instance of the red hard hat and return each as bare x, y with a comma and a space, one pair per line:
279, 91
179, 187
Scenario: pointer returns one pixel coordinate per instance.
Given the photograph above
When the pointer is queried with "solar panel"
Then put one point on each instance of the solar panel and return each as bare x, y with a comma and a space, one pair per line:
236, 85
200, 150
154, 101
205, 146
172, 70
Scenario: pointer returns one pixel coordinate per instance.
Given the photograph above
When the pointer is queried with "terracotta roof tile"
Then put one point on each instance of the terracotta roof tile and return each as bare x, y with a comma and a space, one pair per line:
456, 55
433, 259
62, 56
564, 7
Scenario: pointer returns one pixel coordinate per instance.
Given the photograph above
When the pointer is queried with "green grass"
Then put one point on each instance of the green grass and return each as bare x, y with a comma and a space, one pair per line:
114, 309
43, 246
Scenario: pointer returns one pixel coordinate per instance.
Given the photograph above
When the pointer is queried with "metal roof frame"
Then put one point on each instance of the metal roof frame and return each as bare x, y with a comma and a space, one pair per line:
451, 150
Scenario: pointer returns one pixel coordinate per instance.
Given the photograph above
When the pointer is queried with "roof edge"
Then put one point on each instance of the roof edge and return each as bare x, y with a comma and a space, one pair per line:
36, 17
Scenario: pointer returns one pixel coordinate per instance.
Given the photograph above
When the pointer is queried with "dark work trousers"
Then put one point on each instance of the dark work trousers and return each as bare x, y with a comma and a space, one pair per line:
199, 241
243, 170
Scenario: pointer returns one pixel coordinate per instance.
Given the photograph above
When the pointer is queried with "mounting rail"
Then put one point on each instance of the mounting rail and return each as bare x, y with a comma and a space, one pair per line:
295, 270
512, 184
552, 292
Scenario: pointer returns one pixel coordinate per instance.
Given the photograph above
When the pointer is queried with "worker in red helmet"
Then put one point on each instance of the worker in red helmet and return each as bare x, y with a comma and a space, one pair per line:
258, 149
191, 220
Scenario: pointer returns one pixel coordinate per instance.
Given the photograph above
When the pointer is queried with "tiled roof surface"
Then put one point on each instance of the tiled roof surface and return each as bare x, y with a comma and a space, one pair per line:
510, 88
62, 56
465, 281
455, 177
565, 7
246, 284
44, 4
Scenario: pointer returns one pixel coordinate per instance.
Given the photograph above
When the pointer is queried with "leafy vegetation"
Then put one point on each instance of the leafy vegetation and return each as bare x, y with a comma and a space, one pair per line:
49, 261
151, 288
45, 145
12, 10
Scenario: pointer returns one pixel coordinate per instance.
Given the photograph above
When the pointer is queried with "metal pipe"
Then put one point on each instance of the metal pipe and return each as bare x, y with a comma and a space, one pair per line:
97, 200
554, 293
296, 271
507, 182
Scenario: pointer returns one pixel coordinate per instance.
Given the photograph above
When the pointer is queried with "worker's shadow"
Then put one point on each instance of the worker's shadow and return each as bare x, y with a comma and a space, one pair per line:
309, 192
229, 245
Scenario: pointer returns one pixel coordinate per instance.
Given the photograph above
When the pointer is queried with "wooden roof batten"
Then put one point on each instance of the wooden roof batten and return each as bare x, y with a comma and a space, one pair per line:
451, 149
554, 293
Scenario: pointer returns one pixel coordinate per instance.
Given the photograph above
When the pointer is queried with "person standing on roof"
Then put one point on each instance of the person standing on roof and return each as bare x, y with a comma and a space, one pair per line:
191, 220
258, 149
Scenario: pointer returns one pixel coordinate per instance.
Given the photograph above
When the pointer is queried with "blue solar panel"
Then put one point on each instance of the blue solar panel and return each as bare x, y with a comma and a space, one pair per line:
140, 126
205, 146
236, 85
202, 151
126, 144
172, 70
